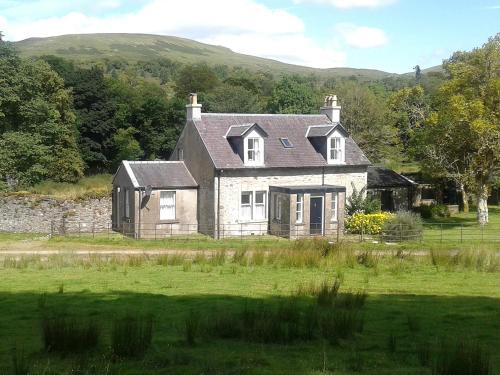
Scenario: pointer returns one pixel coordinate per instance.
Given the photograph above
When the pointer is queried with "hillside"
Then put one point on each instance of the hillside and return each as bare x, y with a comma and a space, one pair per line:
137, 47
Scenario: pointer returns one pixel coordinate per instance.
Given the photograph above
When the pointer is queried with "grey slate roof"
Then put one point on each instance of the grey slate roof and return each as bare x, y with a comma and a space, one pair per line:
213, 127
160, 174
380, 177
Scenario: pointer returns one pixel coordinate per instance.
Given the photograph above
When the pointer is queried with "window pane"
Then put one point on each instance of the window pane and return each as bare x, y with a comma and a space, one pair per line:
250, 143
167, 205
245, 198
300, 204
259, 196
334, 206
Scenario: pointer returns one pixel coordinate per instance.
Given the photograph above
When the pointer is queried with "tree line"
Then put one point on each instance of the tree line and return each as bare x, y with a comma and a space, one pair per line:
61, 119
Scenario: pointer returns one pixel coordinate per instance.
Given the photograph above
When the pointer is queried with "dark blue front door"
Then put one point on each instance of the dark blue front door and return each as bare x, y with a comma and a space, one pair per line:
316, 215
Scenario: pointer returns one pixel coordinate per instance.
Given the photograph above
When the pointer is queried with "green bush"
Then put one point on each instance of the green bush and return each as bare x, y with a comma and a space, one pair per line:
433, 211
404, 226
359, 202
439, 210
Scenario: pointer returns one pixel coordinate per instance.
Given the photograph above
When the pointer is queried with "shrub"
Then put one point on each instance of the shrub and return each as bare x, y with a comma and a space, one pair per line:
404, 226
462, 357
439, 210
433, 211
131, 335
359, 202
69, 334
367, 223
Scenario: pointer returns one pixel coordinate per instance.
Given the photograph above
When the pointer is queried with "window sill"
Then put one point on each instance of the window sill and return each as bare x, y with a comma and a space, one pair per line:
299, 224
175, 221
253, 221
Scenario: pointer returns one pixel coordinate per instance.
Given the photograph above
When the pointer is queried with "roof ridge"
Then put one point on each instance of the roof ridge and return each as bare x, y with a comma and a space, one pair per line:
153, 161
265, 114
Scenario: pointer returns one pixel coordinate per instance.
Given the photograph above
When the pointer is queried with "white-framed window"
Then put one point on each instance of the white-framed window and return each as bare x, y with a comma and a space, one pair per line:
335, 205
260, 205
335, 149
299, 216
127, 202
254, 150
253, 205
246, 205
277, 211
167, 205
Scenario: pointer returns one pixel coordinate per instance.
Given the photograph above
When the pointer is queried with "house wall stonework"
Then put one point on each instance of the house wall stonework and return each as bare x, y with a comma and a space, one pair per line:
200, 166
232, 183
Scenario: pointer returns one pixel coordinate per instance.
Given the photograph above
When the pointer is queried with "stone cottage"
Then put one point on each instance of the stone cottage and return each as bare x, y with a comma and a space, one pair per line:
244, 174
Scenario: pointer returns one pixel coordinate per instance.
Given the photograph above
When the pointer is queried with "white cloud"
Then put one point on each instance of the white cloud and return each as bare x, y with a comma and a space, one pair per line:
361, 36
346, 4
245, 26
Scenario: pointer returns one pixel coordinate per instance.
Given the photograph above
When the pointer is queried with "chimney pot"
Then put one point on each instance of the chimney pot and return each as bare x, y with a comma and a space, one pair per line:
331, 108
193, 109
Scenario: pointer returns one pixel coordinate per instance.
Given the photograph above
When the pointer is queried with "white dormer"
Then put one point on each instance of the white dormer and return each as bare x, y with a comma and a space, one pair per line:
253, 144
247, 141
336, 148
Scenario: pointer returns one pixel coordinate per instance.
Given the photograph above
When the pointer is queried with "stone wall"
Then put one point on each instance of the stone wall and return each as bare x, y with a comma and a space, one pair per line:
34, 214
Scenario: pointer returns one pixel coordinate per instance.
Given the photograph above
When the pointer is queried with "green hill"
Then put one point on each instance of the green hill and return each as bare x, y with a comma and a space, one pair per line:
137, 47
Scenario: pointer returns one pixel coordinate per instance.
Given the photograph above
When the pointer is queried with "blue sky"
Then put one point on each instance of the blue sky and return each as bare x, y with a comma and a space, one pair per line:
390, 35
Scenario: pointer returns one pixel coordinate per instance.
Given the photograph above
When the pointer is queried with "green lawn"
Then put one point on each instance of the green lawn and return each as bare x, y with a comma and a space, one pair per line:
449, 298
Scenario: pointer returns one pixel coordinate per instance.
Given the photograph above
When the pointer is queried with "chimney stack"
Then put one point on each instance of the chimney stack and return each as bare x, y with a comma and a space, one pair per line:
193, 109
331, 109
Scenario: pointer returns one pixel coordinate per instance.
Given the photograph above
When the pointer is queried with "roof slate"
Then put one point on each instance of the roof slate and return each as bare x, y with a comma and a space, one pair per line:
162, 174
213, 127
379, 177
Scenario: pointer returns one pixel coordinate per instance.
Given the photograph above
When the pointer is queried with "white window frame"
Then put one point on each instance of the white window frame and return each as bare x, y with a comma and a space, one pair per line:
127, 202
339, 148
299, 212
257, 149
278, 208
335, 206
263, 204
249, 204
164, 218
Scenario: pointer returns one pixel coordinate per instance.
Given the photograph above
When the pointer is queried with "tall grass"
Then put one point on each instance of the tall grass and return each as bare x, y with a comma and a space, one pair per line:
192, 327
131, 335
97, 186
20, 364
62, 334
462, 357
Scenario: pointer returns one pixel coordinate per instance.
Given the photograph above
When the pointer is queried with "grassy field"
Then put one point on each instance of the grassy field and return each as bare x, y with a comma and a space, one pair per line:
200, 305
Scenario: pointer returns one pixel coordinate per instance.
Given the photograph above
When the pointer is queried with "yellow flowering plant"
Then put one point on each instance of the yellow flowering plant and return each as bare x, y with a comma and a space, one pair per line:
368, 223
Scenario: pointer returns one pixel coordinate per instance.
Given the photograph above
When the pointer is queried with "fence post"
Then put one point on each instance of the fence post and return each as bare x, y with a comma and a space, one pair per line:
482, 233
461, 233
441, 233
338, 231
79, 228
400, 232
241, 232
93, 229
361, 234
52, 228
155, 231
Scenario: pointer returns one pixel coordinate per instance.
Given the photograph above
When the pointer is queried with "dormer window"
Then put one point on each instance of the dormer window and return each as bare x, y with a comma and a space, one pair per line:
336, 149
247, 140
253, 150
253, 144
